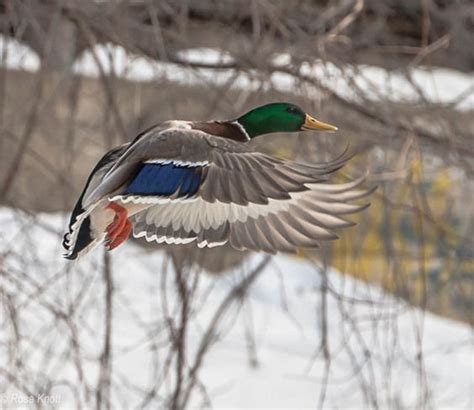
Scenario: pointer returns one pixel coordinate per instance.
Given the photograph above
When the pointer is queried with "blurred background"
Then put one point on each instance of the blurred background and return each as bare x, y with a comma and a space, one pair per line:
381, 318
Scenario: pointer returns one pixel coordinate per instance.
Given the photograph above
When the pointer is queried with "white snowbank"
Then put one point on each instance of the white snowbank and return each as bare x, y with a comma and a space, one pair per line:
17, 56
205, 55
374, 339
437, 85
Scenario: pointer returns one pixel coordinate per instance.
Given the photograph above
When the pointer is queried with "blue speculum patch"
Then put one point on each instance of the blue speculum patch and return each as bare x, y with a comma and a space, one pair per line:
165, 179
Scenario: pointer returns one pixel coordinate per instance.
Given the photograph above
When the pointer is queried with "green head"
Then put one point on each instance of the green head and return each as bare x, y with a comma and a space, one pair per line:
280, 117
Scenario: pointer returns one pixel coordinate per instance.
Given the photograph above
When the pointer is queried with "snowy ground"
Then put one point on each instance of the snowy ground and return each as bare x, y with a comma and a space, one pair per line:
374, 340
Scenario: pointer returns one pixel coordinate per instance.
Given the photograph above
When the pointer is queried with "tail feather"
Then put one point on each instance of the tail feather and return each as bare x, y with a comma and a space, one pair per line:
80, 238
75, 242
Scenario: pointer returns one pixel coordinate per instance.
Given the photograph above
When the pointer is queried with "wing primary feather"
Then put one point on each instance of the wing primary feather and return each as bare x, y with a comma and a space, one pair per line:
277, 240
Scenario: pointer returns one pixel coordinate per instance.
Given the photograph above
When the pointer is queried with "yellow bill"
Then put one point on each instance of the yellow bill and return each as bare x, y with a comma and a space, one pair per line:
311, 123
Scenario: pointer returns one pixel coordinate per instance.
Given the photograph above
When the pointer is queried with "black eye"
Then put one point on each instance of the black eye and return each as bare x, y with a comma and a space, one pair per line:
292, 110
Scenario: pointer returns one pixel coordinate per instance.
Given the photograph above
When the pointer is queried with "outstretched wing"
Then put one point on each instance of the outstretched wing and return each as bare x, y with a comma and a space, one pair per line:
205, 189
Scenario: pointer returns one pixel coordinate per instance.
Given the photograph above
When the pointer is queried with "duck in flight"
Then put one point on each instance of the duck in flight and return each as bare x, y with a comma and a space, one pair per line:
196, 182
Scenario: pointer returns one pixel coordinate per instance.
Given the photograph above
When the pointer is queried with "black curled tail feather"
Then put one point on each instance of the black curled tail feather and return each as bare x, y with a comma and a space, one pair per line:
79, 229
74, 242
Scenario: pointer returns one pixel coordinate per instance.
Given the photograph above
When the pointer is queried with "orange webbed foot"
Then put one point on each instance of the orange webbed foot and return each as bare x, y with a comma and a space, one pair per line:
122, 236
119, 230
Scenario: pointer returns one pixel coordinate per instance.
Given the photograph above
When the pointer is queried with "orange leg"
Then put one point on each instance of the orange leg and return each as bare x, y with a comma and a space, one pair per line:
119, 230
122, 236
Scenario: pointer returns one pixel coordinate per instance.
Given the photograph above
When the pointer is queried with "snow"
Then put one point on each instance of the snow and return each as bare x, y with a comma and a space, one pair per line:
440, 86
373, 337
434, 85
115, 59
17, 56
204, 55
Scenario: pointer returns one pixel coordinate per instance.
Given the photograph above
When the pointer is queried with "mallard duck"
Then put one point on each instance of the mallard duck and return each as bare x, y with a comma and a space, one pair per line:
185, 181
